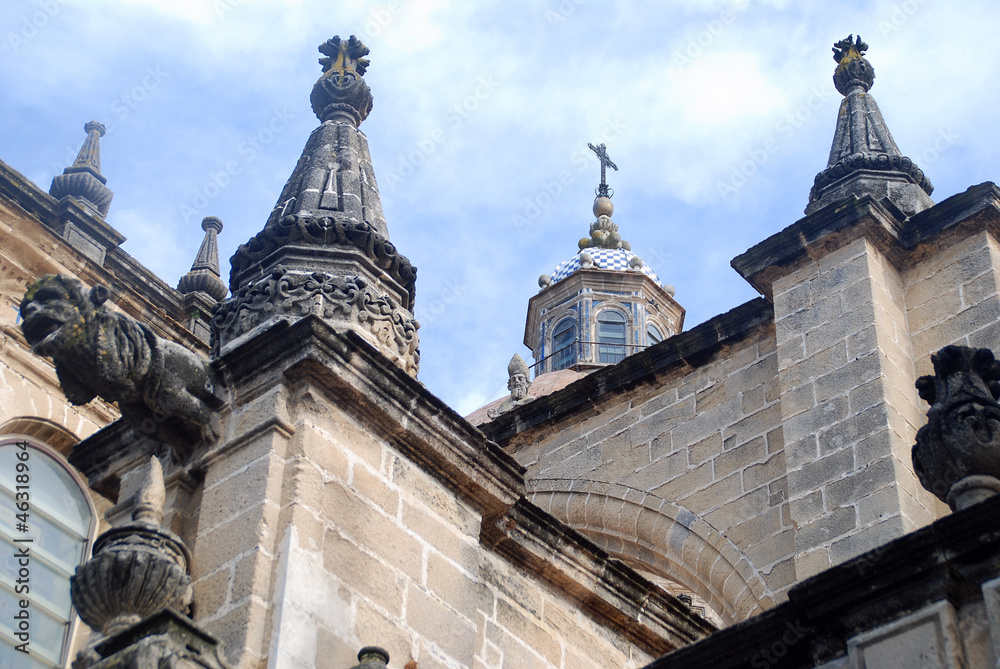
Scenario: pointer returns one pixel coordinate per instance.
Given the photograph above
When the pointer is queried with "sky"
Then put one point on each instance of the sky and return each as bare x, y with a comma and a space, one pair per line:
718, 114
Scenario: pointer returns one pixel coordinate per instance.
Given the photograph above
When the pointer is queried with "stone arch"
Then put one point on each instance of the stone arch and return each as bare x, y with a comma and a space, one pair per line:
661, 537
42, 429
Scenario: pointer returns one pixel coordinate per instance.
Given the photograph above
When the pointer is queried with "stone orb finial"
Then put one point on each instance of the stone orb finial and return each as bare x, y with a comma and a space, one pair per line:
95, 126
635, 263
211, 223
603, 206
544, 281
670, 290
586, 261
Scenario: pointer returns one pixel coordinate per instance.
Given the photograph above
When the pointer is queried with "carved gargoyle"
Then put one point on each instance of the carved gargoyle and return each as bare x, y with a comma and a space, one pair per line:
957, 454
99, 352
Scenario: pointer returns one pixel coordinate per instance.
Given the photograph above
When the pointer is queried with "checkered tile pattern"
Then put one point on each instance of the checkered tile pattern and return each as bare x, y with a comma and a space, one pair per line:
616, 259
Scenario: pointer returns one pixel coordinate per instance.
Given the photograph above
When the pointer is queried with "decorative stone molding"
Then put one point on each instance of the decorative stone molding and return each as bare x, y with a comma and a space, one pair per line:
880, 162
957, 454
323, 232
662, 537
293, 295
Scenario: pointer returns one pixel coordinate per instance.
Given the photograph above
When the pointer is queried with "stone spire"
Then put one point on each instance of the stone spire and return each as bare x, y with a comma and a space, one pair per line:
83, 179
204, 275
325, 248
864, 158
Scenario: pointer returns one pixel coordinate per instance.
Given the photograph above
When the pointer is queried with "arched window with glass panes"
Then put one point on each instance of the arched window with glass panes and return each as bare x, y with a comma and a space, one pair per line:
57, 531
653, 335
610, 336
564, 344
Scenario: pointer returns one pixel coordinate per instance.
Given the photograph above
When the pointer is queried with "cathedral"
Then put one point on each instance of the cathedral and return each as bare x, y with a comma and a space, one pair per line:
248, 473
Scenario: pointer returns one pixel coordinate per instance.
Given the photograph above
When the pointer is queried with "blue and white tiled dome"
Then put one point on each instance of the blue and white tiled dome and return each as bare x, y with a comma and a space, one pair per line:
617, 259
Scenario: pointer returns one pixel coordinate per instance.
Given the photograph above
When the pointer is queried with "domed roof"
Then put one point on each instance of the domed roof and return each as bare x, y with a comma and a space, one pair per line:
613, 259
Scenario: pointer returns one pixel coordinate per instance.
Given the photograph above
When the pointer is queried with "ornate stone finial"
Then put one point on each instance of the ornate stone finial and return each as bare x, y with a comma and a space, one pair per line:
204, 275
864, 159
83, 179
137, 569
99, 352
853, 69
341, 94
957, 454
372, 657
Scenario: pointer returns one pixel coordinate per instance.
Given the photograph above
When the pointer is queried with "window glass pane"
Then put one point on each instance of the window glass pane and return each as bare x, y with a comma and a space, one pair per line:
563, 340
610, 337
55, 531
653, 335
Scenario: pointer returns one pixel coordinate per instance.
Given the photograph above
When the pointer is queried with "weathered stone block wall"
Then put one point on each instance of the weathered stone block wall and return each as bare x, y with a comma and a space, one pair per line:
318, 535
848, 404
951, 298
707, 440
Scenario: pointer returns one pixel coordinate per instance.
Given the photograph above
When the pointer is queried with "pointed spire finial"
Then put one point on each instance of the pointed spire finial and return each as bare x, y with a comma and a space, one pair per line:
341, 94
864, 159
325, 248
204, 275
83, 179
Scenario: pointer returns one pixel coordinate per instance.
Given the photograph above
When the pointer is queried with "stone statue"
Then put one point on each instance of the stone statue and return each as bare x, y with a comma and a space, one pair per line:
99, 352
518, 385
957, 454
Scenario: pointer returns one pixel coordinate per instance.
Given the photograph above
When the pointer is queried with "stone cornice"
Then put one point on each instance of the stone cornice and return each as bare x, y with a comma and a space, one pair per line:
692, 349
604, 587
398, 408
841, 223
948, 560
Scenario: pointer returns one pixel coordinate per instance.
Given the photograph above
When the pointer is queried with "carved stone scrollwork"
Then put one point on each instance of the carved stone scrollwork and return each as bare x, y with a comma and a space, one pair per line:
294, 229
869, 161
295, 295
957, 454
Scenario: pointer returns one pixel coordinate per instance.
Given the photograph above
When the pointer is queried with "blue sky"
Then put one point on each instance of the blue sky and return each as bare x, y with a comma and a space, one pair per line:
718, 114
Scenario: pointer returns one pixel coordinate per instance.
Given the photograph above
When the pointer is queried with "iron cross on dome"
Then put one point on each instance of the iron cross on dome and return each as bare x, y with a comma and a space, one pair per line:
602, 154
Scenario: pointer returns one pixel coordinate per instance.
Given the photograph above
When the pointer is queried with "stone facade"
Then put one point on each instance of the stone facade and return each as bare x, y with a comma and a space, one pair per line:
755, 466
